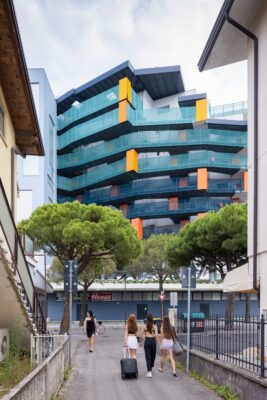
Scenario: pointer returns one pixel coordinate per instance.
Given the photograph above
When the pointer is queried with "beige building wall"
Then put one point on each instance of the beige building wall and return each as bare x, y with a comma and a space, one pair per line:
259, 27
7, 143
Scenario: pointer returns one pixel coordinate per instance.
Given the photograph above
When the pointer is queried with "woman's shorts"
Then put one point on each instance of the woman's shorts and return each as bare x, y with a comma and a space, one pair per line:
166, 344
132, 342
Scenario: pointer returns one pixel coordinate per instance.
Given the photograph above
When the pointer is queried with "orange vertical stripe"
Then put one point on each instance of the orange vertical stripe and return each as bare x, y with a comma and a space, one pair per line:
131, 160
173, 203
138, 226
202, 178
245, 179
123, 105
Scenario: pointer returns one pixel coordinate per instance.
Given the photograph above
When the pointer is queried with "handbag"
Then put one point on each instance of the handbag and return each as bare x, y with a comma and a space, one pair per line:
177, 348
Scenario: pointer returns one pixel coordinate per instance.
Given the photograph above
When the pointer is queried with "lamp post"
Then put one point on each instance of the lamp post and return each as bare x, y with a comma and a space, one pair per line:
125, 305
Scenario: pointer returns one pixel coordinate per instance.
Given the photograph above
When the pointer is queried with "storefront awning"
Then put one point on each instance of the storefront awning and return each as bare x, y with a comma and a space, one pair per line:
239, 280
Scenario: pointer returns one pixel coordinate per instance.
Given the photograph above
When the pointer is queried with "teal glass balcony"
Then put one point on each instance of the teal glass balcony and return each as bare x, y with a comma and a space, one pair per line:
154, 140
157, 230
162, 187
227, 110
185, 207
153, 166
88, 107
88, 128
159, 116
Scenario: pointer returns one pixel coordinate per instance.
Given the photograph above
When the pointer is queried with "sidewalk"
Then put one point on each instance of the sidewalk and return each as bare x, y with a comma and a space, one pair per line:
97, 375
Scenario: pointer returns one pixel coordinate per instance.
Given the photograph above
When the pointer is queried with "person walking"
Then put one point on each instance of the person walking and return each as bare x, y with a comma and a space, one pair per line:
130, 339
150, 346
89, 328
166, 331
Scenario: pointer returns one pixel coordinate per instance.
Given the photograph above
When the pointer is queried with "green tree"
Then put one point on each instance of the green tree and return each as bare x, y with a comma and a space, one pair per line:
86, 233
216, 242
153, 261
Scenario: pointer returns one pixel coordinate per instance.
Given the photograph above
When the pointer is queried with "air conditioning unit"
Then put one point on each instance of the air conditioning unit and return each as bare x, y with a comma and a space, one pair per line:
4, 344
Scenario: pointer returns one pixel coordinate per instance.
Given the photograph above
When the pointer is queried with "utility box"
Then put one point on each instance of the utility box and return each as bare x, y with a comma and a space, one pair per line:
4, 344
197, 322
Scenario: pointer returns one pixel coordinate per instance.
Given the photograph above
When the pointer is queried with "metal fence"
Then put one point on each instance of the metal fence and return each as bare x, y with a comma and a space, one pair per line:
237, 341
42, 346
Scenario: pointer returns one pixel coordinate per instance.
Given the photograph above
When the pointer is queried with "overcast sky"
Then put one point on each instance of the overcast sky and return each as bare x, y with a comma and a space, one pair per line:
77, 40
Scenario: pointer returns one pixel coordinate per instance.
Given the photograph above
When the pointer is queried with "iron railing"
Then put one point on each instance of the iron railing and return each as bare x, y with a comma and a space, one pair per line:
20, 269
238, 341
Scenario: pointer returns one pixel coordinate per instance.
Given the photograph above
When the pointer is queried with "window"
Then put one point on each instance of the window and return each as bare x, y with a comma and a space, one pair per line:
147, 296
216, 296
137, 296
2, 131
116, 296
180, 296
156, 296
206, 295
197, 295
25, 206
31, 165
51, 142
127, 296
36, 96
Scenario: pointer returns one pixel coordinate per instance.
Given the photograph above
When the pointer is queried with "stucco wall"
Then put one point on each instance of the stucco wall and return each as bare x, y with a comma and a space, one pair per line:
6, 145
259, 27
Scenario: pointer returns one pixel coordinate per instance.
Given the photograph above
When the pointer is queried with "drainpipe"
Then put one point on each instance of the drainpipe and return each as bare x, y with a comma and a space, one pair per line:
255, 154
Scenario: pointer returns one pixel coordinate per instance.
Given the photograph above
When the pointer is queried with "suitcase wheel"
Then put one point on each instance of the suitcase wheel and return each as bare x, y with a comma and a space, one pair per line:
123, 376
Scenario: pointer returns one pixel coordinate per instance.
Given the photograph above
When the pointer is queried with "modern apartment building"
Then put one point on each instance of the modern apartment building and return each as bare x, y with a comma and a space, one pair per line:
134, 139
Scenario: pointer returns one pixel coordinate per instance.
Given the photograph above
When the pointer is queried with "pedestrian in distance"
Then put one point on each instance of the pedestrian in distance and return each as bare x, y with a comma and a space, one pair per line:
130, 339
166, 331
150, 346
89, 328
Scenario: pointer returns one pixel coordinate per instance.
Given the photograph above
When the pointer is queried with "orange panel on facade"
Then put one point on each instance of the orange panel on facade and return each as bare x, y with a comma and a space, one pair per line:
131, 160
124, 209
114, 191
201, 110
173, 203
125, 89
123, 105
183, 182
183, 222
201, 215
138, 226
202, 178
245, 178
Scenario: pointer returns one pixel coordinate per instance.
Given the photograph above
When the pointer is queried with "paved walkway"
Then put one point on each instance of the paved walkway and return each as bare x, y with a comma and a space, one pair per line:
97, 376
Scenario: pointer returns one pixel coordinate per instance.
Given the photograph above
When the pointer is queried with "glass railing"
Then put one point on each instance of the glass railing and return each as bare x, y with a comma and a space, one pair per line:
156, 139
136, 101
155, 165
160, 116
88, 128
190, 206
144, 188
193, 160
226, 110
87, 107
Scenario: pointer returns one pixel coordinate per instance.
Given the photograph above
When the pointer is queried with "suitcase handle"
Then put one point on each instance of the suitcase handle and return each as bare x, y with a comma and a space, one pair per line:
126, 352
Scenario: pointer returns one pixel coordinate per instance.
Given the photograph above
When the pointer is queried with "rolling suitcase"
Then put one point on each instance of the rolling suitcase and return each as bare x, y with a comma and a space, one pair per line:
128, 365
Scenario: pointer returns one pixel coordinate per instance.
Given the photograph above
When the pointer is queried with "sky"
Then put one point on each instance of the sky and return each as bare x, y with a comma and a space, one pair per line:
77, 40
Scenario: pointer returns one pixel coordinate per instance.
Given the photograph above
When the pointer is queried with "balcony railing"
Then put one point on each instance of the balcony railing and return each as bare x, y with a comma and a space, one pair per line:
156, 165
227, 110
20, 270
155, 139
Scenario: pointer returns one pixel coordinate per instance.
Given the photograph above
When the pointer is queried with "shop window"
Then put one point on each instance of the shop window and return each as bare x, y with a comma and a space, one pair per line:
137, 296
206, 295
197, 295
216, 296
147, 296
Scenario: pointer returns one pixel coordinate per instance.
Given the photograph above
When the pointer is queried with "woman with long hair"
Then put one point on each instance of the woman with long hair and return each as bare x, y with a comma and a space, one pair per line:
150, 346
130, 339
89, 328
166, 331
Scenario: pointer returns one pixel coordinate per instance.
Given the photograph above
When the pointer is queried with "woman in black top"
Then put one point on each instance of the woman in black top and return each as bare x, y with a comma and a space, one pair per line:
151, 333
90, 329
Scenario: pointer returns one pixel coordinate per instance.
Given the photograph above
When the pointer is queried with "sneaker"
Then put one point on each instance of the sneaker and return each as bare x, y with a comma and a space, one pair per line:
160, 370
175, 375
149, 374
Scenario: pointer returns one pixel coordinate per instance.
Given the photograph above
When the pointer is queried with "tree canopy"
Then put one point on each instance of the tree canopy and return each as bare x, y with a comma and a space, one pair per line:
83, 232
216, 242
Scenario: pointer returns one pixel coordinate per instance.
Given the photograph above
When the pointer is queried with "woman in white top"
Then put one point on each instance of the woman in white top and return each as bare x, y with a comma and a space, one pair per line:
130, 339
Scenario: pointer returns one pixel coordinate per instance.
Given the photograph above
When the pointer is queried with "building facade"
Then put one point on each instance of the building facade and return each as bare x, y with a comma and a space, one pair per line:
113, 301
19, 134
36, 175
134, 139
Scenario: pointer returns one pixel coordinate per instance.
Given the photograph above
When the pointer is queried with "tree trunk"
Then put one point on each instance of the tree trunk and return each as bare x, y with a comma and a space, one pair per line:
64, 325
229, 312
161, 300
247, 317
83, 304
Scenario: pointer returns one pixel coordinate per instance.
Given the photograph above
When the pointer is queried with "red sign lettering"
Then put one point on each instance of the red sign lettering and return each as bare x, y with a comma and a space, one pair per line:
101, 296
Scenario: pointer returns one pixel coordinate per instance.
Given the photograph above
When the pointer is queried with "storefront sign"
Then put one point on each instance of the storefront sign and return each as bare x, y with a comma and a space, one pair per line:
101, 297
